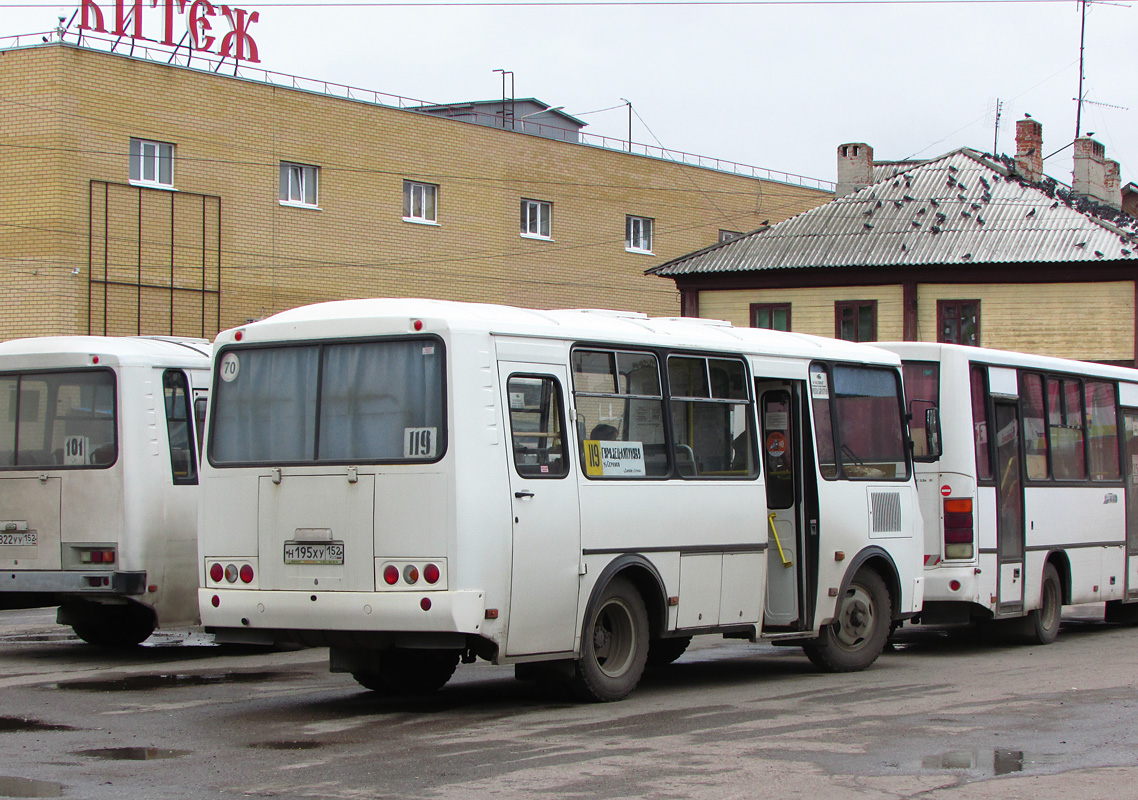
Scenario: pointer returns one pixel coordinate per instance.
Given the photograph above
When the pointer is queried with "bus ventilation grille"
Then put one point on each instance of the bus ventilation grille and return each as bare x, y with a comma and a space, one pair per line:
885, 509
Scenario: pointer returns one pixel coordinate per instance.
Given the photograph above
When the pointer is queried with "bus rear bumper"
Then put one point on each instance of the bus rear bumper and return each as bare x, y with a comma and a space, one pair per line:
77, 582
418, 612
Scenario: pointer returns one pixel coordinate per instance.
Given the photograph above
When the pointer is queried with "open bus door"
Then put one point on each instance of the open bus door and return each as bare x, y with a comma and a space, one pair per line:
780, 409
1009, 510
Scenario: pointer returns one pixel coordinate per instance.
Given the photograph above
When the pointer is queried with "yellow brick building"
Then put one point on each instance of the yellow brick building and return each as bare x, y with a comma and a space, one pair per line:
155, 198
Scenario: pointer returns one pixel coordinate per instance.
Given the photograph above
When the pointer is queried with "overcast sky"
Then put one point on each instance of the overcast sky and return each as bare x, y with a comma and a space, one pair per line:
776, 86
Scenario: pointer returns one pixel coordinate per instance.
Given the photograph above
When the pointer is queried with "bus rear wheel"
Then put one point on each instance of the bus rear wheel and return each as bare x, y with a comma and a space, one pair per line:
614, 644
1041, 625
410, 671
861, 625
111, 626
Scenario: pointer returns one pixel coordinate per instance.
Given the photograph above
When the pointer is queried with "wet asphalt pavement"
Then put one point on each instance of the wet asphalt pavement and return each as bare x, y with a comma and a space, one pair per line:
945, 715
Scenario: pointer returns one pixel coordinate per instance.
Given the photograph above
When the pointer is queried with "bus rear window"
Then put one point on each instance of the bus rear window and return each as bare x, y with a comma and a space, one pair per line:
57, 419
367, 402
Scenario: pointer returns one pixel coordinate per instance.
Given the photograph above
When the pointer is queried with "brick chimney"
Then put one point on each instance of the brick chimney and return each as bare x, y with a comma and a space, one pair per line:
1029, 149
855, 168
1094, 176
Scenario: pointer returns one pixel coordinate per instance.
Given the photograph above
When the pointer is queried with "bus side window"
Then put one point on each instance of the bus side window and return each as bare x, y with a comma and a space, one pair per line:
199, 421
537, 427
183, 463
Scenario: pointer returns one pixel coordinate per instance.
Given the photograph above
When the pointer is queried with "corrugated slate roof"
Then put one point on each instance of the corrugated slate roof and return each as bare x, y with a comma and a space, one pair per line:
962, 208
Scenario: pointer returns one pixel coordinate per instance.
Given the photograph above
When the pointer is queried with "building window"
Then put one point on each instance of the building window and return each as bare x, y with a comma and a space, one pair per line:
638, 234
298, 184
537, 218
420, 202
958, 322
152, 163
856, 320
772, 316
726, 236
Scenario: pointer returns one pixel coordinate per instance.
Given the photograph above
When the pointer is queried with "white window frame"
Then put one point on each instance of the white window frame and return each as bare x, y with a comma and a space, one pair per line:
146, 163
537, 220
295, 182
415, 195
638, 234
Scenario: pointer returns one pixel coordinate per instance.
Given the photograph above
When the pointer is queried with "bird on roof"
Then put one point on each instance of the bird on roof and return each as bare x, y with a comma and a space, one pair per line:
1098, 254
934, 202
1055, 204
966, 257
867, 226
1030, 213
907, 199
1081, 244
916, 224
1125, 252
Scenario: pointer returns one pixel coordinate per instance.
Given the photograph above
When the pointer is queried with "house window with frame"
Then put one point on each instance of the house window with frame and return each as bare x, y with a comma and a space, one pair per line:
298, 184
958, 322
420, 202
152, 163
638, 234
537, 219
856, 320
772, 316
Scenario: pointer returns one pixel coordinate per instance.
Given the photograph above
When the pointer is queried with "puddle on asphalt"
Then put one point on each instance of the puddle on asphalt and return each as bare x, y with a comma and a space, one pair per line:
1002, 762
142, 683
287, 745
132, 753
25, 787
9, 724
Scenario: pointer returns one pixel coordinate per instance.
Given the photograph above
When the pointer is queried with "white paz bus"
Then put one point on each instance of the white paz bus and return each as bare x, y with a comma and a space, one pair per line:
415, 482
98, 481
1030, 499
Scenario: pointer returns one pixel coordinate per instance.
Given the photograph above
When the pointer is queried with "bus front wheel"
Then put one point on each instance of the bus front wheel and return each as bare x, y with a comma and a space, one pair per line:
410, 671
614, 644
861, 625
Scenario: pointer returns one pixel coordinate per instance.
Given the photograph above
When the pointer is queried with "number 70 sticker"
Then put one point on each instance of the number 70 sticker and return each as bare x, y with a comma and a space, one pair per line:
230, 366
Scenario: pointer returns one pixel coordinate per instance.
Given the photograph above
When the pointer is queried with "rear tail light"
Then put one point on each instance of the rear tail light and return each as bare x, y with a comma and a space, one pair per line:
411, 573
431, 573
959, 529
97, 556
216, 573
231, 573
246, 573
390, 575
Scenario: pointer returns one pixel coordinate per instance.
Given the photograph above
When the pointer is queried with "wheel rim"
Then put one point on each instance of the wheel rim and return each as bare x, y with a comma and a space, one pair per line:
614, 637
856, 619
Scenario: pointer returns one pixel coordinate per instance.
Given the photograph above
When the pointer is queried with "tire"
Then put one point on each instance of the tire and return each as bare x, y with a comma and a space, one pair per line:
1041, 625
860, 628
662, 652
412, 672
114, 626
614, 644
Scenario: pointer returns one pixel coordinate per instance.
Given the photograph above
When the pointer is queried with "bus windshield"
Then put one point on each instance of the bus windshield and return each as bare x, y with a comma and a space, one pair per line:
57, 419
366, 402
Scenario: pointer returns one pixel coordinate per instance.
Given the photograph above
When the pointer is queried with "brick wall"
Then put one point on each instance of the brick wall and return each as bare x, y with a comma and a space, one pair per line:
70, 113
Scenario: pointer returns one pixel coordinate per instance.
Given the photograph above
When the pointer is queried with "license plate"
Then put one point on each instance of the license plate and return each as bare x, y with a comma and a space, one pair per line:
22, 538
314, 553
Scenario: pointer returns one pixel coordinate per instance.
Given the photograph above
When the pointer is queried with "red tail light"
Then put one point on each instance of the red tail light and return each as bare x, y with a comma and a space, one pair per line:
216, 573
431, 573
391, 574
246, 573
959, 528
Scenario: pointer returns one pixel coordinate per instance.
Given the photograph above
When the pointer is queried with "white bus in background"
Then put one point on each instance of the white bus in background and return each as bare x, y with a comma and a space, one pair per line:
98, 481
415, 482
1031, 499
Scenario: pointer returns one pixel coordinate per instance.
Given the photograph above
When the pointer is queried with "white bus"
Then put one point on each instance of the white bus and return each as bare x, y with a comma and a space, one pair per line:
1029, 498
412, 482
98, 481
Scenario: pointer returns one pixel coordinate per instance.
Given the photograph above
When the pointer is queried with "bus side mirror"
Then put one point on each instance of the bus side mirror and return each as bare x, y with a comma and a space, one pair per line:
932, 432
